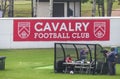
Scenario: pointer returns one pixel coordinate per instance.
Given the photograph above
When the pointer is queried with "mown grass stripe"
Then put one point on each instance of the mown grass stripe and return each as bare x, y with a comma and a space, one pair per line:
45, 67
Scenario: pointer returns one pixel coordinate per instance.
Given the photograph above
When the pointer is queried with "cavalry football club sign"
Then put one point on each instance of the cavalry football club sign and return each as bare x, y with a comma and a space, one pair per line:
61, 30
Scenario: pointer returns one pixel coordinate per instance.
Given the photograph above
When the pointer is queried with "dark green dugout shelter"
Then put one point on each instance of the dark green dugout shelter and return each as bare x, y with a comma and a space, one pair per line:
61, 50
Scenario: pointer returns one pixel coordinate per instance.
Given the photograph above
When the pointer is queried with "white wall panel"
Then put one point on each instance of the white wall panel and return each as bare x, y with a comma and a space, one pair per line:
6, 27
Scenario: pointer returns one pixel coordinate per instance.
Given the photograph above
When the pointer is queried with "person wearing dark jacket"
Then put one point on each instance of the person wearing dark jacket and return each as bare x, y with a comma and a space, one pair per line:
83, 54
111, 62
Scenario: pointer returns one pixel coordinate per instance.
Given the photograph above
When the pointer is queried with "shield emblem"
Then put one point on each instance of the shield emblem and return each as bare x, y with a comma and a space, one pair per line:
24, 29
99, 29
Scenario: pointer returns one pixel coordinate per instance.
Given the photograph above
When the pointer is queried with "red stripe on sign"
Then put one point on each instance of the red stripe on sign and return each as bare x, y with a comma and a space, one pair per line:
61, 30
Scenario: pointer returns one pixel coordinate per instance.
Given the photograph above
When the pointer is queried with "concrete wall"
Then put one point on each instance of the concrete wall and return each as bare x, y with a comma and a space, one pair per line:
6, 36
43, 9
6, 33
77, 8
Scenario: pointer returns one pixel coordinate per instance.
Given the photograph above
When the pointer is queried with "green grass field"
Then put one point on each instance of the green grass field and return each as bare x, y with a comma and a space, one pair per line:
38, 64
22, 8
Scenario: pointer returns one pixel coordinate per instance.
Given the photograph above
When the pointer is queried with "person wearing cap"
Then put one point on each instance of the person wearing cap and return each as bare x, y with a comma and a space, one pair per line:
83, 54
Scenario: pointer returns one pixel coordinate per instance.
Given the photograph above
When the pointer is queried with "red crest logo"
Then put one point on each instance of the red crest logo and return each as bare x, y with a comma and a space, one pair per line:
23, 29
99, 29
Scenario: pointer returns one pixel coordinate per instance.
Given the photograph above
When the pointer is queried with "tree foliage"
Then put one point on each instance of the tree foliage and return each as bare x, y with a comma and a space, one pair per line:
83, 1
99, 2
109, 7
118, 2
